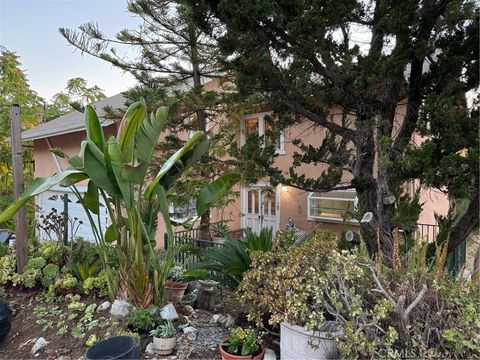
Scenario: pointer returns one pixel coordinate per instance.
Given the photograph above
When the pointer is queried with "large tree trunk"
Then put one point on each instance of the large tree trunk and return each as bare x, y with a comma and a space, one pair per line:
466, 224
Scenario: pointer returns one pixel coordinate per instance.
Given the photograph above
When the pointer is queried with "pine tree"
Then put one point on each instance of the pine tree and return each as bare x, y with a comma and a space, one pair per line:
175, 59
366, 58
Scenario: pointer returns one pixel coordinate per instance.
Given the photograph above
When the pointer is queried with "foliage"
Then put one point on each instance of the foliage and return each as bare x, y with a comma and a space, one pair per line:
242, 342
75, 96
284, 239
50, 272
228, 263
54, 223
176, 273
84, 270
165, 331
260, 242
15, 89
283, 284
122, 185
303, 59
220, 229
144, 320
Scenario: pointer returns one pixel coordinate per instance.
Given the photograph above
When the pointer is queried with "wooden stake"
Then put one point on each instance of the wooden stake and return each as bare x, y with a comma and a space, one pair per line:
18, 187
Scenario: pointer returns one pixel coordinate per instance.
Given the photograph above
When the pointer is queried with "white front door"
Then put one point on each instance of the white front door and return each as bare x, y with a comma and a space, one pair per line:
261, 208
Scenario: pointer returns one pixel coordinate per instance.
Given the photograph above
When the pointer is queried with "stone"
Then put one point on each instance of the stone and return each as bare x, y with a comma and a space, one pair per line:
120, 308
104, 306
189, 310
169, 313
222, 320
269, 355
191, 333
39, 344
214, 319
149, 350
230, 322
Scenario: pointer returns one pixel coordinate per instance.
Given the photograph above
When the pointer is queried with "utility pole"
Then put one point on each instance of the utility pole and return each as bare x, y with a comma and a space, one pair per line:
18, 187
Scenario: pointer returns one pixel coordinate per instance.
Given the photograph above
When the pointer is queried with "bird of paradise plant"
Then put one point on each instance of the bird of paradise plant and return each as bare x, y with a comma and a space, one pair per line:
116, 170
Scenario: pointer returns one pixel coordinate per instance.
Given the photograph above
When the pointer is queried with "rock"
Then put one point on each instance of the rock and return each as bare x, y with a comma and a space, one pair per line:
222, 320
104, 306
149, 350
214, 319
269, 355
191, 333
63, 358
120, 308
39, 344
230, 322
169, 313
189, 310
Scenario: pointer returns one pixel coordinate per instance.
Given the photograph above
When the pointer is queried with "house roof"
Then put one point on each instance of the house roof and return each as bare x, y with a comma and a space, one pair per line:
74, 121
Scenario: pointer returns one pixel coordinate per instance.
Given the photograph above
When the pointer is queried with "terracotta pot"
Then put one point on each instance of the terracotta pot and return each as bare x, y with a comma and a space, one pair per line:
174, 291
227, 356
164, 346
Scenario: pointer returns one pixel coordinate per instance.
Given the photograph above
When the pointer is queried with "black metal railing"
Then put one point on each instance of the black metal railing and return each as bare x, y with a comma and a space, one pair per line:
428, 232
190, 237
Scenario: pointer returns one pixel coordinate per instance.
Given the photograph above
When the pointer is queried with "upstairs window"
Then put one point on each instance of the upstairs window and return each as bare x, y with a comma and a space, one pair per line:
261, 124
333, 205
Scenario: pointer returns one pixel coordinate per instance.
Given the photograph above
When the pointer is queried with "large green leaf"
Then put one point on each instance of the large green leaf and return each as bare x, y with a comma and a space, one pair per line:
163, 205
148, 134
38, 186
117, 161
215, 191
131, 122
93, 127
96, 169
90, 199
196, 138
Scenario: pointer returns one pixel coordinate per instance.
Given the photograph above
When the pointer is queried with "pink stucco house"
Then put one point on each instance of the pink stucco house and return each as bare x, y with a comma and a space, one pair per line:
255, 207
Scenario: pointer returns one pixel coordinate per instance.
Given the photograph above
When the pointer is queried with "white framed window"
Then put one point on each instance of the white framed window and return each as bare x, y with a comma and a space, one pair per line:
181, 213
259, 124
332, 206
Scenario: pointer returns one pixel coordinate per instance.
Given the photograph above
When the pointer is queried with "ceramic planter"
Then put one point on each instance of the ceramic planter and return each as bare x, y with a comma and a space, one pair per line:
164, 346
227, 356
295, 342
174, 291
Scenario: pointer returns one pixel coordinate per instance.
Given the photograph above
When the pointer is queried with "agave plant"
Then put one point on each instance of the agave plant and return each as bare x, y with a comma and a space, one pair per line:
116, 170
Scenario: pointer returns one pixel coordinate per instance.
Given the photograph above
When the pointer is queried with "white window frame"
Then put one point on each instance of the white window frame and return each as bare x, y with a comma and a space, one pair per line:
261, 130
328, 218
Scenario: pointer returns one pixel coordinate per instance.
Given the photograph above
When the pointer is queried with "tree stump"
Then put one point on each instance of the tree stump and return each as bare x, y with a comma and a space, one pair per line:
206, 295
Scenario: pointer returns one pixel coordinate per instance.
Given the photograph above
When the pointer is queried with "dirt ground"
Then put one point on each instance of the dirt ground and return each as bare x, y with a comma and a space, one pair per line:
34, 317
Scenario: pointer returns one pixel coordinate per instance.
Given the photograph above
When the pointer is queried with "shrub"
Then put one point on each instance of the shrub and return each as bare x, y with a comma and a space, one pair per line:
284, 239
3, 250
242, 342
50, 272
283, 284
7, 268
144, 320
53, 252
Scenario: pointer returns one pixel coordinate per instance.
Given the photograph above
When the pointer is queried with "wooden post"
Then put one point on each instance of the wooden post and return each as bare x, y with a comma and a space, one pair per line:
18, 187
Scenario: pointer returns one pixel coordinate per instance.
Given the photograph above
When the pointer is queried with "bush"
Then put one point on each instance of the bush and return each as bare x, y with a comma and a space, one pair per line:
283, 285
144, 320
50, 272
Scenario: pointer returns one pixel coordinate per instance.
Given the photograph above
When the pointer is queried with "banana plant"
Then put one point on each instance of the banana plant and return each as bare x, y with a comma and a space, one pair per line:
117, 171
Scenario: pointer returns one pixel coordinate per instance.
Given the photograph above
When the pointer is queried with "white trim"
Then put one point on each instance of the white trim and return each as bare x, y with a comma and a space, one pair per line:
244, 201
328, 218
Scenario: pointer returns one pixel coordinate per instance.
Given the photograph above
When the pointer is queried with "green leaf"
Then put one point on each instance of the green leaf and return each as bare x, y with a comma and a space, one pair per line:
215, 191
90, 199
197, 138
111, 234
96, 169
58, 152
38, 186
163, 205
116, 157
93, 127
148, 134
129, 126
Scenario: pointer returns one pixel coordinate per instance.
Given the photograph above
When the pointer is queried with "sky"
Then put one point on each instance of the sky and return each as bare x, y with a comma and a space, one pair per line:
30, 28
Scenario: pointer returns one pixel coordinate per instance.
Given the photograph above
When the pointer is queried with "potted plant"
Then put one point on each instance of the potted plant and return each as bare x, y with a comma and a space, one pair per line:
174, 286
242, 344
285, 286
164, 339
